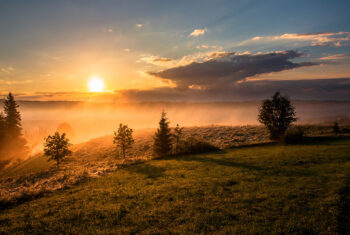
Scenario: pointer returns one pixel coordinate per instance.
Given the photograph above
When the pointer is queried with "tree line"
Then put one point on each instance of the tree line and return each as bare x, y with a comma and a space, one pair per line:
277, 114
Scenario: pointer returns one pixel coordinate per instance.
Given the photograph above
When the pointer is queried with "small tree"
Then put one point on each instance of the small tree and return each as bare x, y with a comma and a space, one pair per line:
56, 147
177, 137
162, 138
2, 134
277, 114
123, 138
336, 128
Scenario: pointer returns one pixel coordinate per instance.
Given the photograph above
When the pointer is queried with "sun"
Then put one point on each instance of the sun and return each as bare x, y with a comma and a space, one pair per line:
96, 84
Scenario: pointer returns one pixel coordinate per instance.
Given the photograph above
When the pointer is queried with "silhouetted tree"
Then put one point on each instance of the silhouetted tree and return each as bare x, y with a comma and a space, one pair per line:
277, 114
177, 137
336, 128
2, 134
56, 147
15, 144
12, 117
123, 138
162, 138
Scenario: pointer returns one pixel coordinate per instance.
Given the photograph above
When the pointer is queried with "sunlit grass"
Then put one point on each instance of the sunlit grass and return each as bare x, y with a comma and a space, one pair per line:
268, 189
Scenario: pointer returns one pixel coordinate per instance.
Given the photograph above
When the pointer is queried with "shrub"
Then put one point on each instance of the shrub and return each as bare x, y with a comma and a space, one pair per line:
193, 146
294, 135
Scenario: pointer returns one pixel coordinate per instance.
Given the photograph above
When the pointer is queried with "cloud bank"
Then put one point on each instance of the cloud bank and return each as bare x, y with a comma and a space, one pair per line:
226, 69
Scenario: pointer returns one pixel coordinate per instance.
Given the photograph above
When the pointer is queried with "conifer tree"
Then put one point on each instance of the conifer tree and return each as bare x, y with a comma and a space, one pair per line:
12, 117
162, 138
14, 142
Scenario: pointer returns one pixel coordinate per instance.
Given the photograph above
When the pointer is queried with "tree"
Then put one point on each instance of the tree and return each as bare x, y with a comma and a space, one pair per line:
177, 137
56, 147
12, 117
14, 142
162, 138
336, 128
277, 114
123, 138
2, 134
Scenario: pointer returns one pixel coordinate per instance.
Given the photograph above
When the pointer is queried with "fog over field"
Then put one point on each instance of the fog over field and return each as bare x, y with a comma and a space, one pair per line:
83, 121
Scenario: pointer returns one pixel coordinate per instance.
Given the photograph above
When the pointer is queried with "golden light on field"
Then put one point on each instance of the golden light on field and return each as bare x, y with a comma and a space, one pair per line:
96, 84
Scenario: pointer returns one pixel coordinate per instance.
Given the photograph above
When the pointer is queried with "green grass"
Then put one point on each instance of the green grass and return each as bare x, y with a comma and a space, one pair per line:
265, 190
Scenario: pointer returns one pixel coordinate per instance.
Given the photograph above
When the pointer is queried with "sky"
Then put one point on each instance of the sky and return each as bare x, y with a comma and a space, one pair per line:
175, 50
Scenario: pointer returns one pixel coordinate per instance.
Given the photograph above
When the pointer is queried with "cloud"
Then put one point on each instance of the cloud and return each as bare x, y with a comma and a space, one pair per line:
336, 57
315, 89
162, 59
228, 68
139, 25
6, 82
198, 32
126, 50
156, 60
7, 70
313, 39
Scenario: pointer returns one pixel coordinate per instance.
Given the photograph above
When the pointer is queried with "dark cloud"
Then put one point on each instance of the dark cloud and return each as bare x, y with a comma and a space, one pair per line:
229, 68
316, 89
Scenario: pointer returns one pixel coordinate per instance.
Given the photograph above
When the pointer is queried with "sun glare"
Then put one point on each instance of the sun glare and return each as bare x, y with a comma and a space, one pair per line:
96, 84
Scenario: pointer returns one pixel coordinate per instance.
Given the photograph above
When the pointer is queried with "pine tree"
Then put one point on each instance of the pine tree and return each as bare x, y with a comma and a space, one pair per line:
12, 117
2, 134
15, 144
123, 138
162, 138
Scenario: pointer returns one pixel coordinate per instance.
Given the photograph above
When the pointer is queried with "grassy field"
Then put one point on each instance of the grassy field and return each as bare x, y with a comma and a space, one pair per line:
270, 189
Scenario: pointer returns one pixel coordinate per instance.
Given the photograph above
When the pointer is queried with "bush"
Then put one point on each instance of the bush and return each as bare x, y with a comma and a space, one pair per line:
294, 135
193, 146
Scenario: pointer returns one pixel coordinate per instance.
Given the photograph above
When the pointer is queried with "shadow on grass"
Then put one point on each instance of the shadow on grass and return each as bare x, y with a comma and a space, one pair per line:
148, 170
344, 208
326, 140
204, 158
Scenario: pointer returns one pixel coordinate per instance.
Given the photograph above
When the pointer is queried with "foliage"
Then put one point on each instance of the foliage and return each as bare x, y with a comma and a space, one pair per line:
162, 138
123, 138
12, 143
56, 147
193, 146
177, 137
294, 135
277, 114
13, 117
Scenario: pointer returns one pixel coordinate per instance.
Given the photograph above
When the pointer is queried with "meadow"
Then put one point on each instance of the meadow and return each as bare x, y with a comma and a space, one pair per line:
35, 176
267, 189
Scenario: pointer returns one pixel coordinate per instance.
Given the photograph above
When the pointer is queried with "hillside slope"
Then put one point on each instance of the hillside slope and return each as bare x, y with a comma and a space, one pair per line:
266, 189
